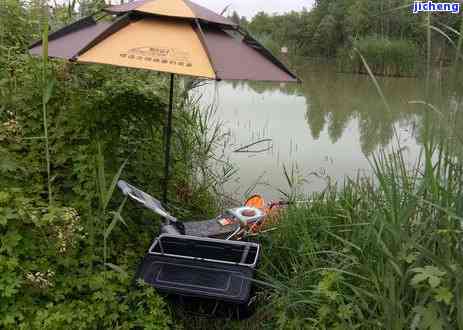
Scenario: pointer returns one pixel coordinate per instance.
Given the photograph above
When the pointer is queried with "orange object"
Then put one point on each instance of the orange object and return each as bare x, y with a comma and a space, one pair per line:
256, 201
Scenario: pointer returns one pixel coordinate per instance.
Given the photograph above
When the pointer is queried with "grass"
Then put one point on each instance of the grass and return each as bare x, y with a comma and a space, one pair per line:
386, 57
353, 257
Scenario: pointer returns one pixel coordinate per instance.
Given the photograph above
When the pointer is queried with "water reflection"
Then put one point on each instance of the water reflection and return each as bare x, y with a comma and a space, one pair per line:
344, 114
333, 100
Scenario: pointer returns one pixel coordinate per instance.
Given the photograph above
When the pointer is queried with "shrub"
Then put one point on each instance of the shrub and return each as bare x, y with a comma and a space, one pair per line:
388, 57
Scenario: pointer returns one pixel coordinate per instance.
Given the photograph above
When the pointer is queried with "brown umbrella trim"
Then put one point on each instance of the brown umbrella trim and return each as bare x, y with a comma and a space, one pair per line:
225, 47
248, 39
67, 42
77, 25
126, 7
235, 59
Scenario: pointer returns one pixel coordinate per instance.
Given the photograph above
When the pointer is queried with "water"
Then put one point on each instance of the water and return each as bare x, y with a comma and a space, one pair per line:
323, 129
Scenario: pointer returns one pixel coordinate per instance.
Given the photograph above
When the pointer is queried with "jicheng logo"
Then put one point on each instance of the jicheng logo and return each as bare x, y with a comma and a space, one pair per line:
449, 7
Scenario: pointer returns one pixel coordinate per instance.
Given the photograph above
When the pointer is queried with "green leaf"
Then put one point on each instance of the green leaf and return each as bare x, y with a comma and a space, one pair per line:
345, 312
121, 219
116, 217
109, 193
117, 269
9, 165
444, 295
411, 258
433, 274
111, 226
101, 180
418, 278
431, 319
48, 91
4, 197
434, 281
9, 242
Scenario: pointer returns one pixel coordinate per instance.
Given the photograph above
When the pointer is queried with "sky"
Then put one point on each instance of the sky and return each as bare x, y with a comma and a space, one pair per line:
249, 8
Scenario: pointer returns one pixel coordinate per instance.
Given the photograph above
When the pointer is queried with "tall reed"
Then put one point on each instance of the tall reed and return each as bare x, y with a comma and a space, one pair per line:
459, 49
47, 88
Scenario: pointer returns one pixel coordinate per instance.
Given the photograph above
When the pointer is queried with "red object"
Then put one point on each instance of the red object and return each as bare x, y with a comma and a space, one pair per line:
248, 213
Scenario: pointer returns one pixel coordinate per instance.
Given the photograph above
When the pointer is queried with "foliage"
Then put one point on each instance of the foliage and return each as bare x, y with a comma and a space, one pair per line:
334, 28
385, 57
70, 263
47, 278
242, 21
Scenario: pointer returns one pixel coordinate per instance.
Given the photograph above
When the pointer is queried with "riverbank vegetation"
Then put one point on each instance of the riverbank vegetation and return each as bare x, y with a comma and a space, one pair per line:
67, 132
381, 252
386, 57
383, 255
387, 32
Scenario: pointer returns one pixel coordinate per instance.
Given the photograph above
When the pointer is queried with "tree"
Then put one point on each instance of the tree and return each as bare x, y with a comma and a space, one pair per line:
235, 17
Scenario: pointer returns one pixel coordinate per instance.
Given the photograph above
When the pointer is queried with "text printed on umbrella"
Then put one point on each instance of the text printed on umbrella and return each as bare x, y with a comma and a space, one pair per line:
159, 55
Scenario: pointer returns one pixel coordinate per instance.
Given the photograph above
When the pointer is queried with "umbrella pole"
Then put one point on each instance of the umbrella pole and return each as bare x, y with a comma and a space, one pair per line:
168, 137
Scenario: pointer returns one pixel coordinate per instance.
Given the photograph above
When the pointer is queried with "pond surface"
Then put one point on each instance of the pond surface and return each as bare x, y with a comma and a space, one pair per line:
327, 127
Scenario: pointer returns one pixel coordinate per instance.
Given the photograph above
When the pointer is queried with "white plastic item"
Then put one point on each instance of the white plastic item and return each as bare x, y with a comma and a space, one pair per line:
244, 219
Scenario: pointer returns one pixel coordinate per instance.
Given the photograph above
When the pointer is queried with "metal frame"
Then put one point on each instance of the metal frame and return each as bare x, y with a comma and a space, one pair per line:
146, 200
247, 246
167, 140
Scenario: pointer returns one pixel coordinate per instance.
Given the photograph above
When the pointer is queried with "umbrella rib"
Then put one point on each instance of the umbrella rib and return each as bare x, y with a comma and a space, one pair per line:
120, 22
202, 38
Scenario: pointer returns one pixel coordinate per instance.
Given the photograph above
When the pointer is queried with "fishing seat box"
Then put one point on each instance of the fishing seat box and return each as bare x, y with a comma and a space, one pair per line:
204, 268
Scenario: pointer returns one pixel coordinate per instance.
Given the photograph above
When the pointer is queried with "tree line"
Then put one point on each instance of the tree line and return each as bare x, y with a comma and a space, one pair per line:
332, 27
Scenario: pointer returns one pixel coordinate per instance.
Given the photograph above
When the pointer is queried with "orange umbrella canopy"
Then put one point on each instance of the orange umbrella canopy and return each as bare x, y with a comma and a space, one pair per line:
175, 36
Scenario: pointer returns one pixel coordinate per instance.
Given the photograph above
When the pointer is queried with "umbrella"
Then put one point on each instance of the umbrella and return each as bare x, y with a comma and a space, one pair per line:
173, 36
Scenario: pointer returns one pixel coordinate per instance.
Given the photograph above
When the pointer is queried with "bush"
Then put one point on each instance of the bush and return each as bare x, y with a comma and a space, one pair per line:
387, 57
62, 264
52, 278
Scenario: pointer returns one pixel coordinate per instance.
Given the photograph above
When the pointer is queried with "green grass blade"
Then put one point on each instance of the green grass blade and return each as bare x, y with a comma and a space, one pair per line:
110, 191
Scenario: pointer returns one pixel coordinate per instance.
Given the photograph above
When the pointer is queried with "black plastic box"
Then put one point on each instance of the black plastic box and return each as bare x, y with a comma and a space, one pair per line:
205, 268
